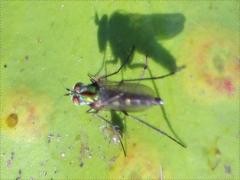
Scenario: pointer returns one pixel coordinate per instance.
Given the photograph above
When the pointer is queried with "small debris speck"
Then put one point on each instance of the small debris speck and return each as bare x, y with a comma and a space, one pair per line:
50, 137
9, 163
90, 156
62, 154
81, 164
26, 57
12, 155
227, 169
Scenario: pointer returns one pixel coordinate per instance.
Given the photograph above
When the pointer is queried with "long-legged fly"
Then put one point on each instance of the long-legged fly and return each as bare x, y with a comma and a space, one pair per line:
125, 96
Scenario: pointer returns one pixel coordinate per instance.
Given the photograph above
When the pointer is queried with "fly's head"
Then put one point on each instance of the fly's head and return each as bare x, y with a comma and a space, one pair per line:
81, 94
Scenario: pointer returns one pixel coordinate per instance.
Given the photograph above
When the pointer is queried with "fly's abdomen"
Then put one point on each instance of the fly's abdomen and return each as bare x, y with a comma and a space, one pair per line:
131, 102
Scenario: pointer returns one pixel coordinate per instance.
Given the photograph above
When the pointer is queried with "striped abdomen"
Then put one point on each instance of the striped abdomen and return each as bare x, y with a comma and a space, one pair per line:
125, 101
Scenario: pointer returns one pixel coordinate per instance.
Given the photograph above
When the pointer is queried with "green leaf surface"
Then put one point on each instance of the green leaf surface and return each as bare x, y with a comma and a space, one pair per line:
47, 46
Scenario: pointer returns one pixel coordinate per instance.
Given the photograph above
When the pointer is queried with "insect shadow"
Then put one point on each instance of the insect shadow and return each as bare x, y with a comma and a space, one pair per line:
124, 30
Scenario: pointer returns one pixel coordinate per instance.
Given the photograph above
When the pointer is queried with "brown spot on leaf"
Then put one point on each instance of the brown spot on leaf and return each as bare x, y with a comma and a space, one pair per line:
12, 120
214, 156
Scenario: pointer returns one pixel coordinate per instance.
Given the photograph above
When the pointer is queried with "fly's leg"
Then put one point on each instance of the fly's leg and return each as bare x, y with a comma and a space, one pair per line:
102, 65
92, 110
143, 72
98, 105
128, 58
145, 123
112, 99
115, 129
154, 128
157, 77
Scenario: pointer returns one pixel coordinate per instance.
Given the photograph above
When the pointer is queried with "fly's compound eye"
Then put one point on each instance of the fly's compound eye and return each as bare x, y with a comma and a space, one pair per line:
77, 87
76, 100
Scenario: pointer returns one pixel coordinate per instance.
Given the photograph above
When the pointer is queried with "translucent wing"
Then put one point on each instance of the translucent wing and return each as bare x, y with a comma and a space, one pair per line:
131, 88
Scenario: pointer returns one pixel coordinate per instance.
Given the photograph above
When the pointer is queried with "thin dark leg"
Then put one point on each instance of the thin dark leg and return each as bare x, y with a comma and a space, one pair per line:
157, 77
124, 152
104, 119
128, 58
110, 123
156, 129
164, 111
102, 65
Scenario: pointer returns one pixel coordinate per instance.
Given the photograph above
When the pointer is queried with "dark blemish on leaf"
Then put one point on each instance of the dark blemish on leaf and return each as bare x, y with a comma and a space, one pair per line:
213, 158
12, 120
12, 155
210, 6
39, 41
50, 137
26, 58
19, 173
52, 24
81, 164
78, 137
227, 169
43, 163
55, 170
5, 65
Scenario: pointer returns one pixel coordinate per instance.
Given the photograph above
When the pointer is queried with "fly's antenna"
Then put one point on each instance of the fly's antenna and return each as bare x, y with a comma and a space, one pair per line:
68, 93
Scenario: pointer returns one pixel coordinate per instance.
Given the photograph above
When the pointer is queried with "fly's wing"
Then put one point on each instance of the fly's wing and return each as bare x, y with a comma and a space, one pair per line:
132, 88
